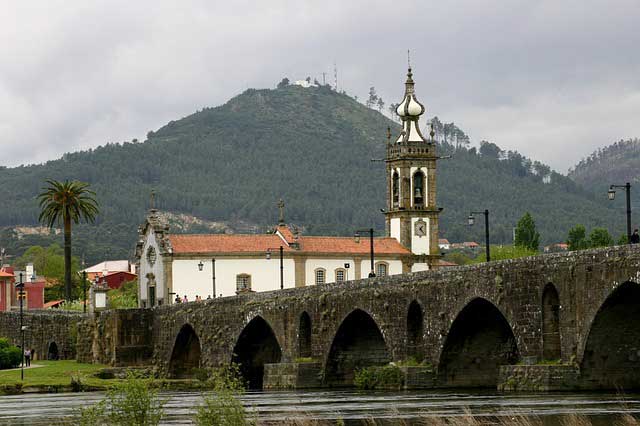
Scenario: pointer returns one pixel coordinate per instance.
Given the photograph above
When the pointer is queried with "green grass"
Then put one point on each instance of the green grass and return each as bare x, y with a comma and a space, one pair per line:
55, 373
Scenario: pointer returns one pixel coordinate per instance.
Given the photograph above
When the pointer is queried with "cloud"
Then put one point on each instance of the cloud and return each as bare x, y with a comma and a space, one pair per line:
554, 80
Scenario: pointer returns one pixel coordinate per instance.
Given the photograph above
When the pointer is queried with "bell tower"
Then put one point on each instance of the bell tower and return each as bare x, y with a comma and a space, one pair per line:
411, 213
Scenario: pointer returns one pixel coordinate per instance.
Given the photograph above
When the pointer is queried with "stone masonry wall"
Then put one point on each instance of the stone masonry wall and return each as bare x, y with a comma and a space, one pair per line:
43, 329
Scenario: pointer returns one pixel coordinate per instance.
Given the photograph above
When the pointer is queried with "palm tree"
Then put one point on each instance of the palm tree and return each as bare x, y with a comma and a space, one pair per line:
66, 202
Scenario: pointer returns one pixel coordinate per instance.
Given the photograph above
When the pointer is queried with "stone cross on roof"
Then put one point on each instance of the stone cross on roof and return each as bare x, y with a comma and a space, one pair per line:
281, 212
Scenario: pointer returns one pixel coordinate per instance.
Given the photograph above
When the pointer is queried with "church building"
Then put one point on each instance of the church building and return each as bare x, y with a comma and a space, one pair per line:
172, 266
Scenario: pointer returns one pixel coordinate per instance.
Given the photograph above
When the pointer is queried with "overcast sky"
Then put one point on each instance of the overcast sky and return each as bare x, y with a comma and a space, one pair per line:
552, 79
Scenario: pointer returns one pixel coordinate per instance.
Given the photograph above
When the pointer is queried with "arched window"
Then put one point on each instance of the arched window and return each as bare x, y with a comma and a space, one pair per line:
382, 269
243, 283
341, 275
395, 190
418, 188
321, 276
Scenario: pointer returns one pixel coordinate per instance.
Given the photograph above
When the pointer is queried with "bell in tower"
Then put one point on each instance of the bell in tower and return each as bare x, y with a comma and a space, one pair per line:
412, 214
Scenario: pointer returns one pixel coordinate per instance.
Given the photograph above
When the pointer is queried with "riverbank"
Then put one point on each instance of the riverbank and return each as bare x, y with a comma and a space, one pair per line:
72, 376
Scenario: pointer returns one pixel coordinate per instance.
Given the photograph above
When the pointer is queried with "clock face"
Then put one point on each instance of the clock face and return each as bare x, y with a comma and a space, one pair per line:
420, 228
151, 255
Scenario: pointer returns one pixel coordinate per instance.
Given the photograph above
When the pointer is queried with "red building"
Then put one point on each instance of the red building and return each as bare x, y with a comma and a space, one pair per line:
116, 279
9, 294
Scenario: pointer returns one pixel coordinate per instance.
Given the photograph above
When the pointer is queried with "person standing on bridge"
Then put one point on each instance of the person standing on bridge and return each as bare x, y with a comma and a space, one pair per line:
635, 238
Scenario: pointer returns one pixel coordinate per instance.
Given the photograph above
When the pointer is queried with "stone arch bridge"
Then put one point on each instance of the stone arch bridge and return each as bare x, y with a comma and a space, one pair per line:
558, 321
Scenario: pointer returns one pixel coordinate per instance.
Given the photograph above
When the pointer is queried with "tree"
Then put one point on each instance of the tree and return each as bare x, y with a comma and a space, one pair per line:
526, 234
600, 237
393, 110
373, 98
490, 150
380, 104
283, 83
65, 203
577, 239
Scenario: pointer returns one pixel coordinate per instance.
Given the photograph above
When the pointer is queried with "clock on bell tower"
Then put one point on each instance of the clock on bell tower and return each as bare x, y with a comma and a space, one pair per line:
412, 214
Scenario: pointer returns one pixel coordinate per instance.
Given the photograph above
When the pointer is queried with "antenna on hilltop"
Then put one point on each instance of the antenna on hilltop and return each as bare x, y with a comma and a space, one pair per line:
335, 76
324, 82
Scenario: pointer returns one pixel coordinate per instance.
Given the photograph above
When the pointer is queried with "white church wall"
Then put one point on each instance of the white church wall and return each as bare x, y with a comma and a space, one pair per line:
417, 267
330, 265
394, 268
419, 245
265, 275
394, 228
156, 269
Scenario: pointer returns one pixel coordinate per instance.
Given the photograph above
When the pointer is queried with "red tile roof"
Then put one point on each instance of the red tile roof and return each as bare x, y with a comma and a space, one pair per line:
348, 245
286, 233
242, 243
222, 243
5, 275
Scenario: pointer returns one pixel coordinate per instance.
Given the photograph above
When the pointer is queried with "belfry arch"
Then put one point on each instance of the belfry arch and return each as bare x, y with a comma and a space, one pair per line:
357, 343
256, 346
612, 352
479, 341
185, 356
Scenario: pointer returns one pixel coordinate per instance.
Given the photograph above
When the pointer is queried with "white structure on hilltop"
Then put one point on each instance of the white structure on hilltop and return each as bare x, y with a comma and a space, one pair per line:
212, 265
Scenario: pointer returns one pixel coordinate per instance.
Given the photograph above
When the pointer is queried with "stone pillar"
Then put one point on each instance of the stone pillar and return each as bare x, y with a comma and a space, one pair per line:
300, 264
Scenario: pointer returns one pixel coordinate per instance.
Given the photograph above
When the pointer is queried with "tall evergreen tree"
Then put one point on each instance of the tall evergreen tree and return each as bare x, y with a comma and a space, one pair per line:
64, 203
526, 234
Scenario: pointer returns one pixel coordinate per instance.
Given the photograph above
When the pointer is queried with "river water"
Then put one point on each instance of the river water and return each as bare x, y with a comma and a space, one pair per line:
351, 406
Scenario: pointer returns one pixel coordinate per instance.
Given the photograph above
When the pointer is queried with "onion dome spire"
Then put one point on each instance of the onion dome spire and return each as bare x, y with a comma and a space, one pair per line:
409, 111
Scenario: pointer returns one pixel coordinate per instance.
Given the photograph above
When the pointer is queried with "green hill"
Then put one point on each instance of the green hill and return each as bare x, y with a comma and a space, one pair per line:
615, 164
313, 147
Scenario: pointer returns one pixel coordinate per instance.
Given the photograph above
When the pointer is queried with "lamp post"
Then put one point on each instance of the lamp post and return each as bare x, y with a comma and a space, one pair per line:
281, 250
356, 237
472, 220
84, 292
213, 273
612, 196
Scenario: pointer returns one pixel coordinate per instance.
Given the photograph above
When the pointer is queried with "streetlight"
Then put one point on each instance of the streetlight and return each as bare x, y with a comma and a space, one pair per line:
471, 220
612, 196
213, 273
84, 292
356, 237
281, 250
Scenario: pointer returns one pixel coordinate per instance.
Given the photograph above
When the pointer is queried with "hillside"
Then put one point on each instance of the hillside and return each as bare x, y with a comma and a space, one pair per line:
311, 147
615, 164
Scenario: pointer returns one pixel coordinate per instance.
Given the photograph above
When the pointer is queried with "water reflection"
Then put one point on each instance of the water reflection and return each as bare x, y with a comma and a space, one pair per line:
352, 406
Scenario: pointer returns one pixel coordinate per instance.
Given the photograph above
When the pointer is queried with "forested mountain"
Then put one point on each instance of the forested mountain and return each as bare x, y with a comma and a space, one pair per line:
312, 147
615, 164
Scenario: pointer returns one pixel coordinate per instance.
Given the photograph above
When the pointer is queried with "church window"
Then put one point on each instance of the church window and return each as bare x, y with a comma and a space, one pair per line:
382, 269
340, 275
321, 276
418, 188
152, 296
243, 283
395, 189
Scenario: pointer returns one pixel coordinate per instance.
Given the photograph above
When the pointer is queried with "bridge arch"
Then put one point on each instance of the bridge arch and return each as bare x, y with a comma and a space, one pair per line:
551, 347
357, 343
415, 331
304, 335
256, 346
611, 358
185, 355
479, 341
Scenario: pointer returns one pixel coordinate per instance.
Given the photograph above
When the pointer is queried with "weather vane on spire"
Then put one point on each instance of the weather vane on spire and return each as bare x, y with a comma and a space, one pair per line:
152, 200
409, 58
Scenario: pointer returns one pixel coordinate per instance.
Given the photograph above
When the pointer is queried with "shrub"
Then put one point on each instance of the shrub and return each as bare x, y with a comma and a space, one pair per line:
223, 408
387, 377
10, 356
134, 402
